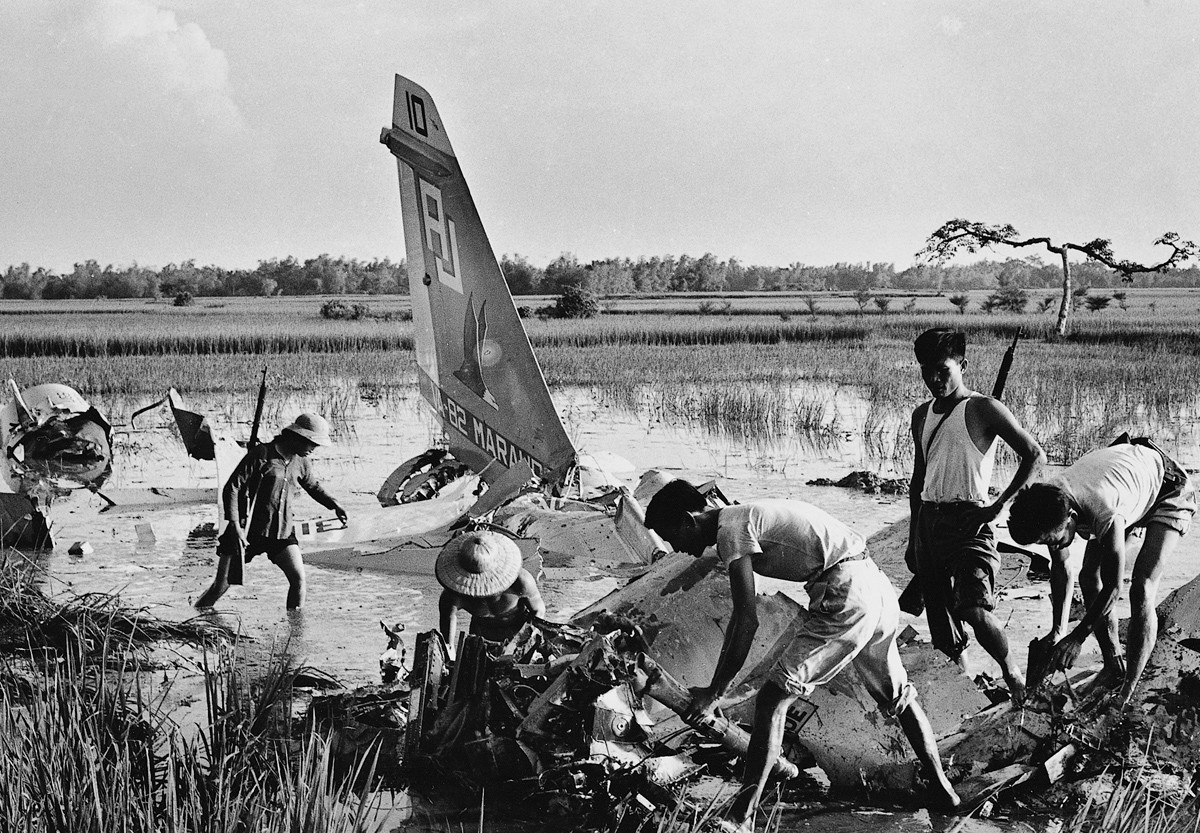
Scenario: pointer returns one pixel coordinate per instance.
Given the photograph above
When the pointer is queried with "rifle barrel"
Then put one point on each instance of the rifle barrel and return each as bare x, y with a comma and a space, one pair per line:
1005, 366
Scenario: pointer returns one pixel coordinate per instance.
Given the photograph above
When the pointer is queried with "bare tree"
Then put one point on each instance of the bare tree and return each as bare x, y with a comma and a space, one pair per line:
957, 236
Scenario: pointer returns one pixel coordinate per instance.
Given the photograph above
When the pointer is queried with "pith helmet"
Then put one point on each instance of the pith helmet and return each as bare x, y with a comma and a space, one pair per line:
312, 427
478, 564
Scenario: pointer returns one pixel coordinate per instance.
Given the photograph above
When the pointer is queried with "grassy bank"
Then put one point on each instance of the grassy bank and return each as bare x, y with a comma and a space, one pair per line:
84, 748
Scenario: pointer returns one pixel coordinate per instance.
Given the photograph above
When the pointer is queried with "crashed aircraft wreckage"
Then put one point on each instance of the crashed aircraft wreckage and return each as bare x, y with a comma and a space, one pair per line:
562, 709
607, 687
556, 697
54, 442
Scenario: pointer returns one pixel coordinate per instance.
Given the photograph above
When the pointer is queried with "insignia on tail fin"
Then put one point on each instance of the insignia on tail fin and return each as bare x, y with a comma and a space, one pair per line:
475, 365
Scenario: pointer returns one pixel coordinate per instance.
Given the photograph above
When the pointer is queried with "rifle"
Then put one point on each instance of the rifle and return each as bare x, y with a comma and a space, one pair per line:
910, 598
1006, 365
258, 409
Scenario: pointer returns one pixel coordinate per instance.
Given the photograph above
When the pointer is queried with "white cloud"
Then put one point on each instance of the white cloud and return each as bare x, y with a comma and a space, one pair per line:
150, 53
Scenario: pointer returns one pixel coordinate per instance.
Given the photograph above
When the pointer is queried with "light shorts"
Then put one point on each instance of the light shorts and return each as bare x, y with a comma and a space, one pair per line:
1174, 510
853, 619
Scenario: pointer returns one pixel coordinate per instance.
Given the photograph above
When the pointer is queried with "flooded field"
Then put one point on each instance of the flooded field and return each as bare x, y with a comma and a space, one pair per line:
155, 560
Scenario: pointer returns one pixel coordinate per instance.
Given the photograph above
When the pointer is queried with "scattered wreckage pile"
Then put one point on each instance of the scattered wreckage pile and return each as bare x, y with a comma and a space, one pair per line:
577, 723
580, 721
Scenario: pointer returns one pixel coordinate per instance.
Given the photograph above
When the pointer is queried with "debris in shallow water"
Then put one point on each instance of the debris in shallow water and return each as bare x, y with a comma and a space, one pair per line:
81, 548
868, 482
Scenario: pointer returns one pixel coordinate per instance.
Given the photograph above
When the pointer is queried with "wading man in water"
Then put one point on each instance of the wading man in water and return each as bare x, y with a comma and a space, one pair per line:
853, 619
951, 546
258, 507
1106, 495
481, 573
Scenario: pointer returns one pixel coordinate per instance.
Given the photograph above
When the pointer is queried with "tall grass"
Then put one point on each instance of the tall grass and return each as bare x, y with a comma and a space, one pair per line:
1117, 372
1138, 805
84, 748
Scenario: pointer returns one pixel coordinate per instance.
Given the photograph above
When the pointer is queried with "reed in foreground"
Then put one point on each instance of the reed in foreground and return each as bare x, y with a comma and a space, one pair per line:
83, 748
1138, 804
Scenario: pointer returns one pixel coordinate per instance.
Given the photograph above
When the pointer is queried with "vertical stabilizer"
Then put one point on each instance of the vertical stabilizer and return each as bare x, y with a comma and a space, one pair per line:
475, 364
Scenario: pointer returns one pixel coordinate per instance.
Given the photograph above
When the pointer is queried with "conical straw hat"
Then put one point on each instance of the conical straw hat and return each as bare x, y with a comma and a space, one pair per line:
479, 563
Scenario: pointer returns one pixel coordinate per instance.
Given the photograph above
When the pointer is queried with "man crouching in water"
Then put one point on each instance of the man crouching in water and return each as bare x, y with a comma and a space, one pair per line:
481, 573
853, 619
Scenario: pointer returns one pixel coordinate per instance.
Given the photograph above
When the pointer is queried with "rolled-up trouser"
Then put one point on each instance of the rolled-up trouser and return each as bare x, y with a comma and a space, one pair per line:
853, 618
956, 566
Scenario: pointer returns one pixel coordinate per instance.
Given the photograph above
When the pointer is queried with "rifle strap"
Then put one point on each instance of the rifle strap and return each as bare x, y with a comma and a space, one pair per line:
933, 433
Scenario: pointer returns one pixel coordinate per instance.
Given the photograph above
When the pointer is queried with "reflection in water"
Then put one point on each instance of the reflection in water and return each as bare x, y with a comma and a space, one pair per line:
375, 430
810, 419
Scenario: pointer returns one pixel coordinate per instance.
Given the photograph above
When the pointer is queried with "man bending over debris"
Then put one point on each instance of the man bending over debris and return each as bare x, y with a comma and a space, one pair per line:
481, 573
258, 506
853, 618
1106, 495
951, 546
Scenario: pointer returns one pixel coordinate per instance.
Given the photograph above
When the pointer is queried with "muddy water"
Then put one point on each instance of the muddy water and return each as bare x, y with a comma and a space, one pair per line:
152, 559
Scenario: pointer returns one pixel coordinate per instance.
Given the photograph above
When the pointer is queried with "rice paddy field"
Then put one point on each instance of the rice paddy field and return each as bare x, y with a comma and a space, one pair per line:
745, 367
755, 393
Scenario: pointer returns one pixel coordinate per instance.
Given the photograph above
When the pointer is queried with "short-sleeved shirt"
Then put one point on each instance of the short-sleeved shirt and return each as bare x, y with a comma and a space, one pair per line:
1122, 480
785, 539
265, 482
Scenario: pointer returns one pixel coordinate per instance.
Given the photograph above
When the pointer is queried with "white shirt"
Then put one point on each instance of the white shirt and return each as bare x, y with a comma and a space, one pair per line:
1120, 480
785, 539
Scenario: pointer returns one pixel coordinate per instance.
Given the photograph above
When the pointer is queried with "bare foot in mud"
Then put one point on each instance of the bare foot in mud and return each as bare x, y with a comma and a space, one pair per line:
1016, 686
944, 798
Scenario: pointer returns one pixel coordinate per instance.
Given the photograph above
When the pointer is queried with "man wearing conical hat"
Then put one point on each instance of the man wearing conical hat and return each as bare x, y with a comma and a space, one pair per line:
257, 502
481, 574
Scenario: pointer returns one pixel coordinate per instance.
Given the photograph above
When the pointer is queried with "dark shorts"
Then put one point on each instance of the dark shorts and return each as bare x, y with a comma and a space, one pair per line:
258, 545
957, 568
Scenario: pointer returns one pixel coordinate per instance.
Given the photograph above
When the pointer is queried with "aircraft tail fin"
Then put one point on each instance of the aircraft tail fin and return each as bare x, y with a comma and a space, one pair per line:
475, 364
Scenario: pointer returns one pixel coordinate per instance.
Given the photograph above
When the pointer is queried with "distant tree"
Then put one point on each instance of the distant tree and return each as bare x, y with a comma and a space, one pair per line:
653, 275
19, 283
1080, 291
737, 277
960, 235
882, 303
1008, 299
911, 304
1097, 302
609, 277
862, 297
575, 302
562, 272
960, 301
1046, 303
523, 277
811, 303
1122, 300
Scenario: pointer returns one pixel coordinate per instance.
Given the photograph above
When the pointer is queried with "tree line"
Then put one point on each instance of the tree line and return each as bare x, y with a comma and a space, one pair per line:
326, 275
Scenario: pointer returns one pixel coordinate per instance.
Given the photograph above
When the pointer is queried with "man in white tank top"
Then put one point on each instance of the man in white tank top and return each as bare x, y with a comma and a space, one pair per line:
1106, 494
853, 620
951, 546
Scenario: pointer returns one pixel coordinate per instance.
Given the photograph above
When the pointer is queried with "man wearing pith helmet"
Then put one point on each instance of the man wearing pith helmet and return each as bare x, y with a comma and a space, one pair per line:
257, 502
481, 574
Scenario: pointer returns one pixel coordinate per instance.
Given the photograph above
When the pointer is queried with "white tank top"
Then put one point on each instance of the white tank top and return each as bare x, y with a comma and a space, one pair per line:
955, 470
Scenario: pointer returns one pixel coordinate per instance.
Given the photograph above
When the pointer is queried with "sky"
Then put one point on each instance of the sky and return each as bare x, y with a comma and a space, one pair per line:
234, 131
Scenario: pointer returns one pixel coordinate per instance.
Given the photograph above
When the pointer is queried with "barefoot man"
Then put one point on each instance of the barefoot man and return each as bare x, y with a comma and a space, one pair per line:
1106, 495
853, 619
951, 546
258, 506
